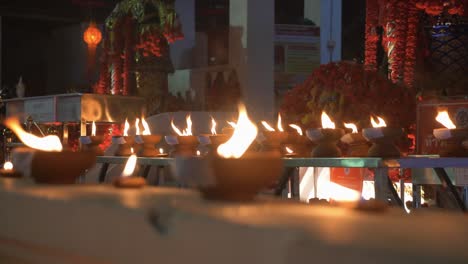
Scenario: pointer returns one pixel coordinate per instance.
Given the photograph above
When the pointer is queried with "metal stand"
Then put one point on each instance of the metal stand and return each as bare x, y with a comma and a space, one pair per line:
448, 186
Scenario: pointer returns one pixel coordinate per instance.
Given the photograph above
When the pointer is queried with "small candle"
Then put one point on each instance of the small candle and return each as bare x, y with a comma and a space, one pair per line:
126, 180
9, 172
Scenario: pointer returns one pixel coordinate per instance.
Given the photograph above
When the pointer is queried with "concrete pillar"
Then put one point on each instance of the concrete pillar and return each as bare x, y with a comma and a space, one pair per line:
251, 42
312, 10
181, 50
330, 30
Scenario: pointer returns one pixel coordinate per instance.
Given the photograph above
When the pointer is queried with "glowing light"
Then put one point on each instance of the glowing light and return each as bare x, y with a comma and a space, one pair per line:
332, 191
137, 126
146, 129
267, 126
280, 126
244, 134
198, 153
185, 132
93, 129
161, 151
47, 143
232, 124
351, 126
8, 165
297, 128
381, 122
126, 128
290, 151
213, 126
130, 166
326, 121
444, 118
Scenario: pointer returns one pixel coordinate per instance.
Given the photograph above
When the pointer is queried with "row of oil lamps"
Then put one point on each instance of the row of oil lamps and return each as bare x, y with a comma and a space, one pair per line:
236, 171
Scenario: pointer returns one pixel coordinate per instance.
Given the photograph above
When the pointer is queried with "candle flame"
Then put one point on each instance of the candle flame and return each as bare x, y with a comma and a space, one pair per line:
290, 151
198, 153
47, 143
185, 132
130, 165
93, 129
161, 151
146, 129
213, 126
381, 122
126, 128
244, 134
280, 126
351, 126
267, 126
8, 165
298, 129
444, 118
137, 126
231, 123
326, 121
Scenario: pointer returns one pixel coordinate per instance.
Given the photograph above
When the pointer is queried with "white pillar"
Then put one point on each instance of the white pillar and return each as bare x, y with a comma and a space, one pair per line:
181, 50
330, 31
251, 53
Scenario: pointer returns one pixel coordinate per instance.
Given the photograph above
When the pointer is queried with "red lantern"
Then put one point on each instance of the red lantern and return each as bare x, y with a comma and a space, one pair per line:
92, 36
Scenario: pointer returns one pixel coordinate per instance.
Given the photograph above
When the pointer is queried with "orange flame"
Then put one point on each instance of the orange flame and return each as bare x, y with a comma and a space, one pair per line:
232, 124
161, 151
444, 118
146, 129
185, 132
126, 128
93, 129
47, 143
326, 121
244, 134
130, 165
280, 126
290, 151
351, 126
381, 122
213, 126
137, 126
267, 126
8, 165
298, 129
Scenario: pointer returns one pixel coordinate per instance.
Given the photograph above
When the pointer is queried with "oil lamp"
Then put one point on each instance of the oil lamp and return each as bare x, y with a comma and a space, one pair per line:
44, 158
184, 143
273, 140
146, 141
91, 143
214, 139
451, 138
326, 138
298, 142
124, 142
357, 144
9, 172
126, 179
383, 139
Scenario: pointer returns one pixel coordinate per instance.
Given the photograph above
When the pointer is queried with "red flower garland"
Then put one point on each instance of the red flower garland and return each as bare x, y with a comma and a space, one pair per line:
372, 38
400, 40
411, 44
103, 83
128, 55
437, 7
117, 47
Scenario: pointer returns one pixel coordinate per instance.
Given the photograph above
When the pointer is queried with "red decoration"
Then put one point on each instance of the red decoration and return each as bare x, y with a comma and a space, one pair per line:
92, 35
437, 7
372, 38
411, 44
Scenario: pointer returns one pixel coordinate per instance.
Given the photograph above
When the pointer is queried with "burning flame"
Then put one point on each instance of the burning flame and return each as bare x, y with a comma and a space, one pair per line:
146, 129
267, 126
290, 151
244, 134
130, 165
198, 153
381, 122
326, 121
137, 126
185, 132
280, 126
444, 118
351, 126
93, 129
213, 126
8, 165
161, 151
233, 124
298, 129
48, 143
126, 128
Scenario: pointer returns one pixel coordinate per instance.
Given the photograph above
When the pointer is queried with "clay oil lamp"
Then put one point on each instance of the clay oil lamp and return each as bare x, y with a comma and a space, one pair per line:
357, 144
9, 172
44, 158
451, 138
161, 153
126, 179
235, 174
383, 139
214, 139
273, 140
326, 138
184, 143
289, 153
146, 141
91, 143
298, 142
125, 142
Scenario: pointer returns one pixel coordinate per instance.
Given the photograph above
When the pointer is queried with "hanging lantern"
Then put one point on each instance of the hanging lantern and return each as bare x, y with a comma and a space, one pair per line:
92, 36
